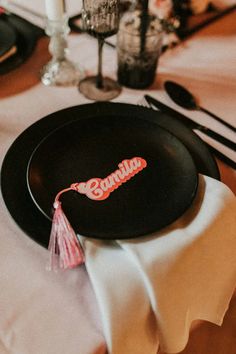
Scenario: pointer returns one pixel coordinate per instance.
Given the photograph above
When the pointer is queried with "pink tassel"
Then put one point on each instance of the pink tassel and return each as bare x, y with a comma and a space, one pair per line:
64, 246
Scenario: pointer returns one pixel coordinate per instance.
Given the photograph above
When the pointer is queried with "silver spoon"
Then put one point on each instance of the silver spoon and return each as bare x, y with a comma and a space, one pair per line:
181, 96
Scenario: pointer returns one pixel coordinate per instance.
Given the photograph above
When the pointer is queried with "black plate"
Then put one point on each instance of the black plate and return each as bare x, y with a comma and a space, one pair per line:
7, 37
14, 168
26, 39
94, 147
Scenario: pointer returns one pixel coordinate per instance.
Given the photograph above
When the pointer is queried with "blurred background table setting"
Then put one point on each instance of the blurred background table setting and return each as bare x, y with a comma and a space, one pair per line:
117, 134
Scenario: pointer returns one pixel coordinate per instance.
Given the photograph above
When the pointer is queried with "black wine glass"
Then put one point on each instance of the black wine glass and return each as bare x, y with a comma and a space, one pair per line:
101, 20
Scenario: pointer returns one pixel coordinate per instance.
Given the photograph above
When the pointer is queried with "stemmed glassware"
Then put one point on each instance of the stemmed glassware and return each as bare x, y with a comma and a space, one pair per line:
101, 20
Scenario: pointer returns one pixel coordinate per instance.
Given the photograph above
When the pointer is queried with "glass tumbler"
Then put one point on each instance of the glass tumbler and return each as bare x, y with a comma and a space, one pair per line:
139, 45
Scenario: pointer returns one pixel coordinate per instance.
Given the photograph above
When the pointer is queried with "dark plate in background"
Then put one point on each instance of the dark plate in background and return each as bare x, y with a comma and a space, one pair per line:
14, 168
26, 39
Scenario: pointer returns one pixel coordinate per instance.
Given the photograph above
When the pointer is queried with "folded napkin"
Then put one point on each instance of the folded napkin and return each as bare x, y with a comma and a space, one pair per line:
150, 289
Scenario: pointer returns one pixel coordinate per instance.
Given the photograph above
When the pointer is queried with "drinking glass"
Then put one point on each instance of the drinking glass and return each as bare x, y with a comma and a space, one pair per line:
101, 20
139, 44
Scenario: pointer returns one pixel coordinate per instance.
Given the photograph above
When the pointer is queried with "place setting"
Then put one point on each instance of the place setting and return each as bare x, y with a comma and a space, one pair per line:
127, 203
125, 194
173, 152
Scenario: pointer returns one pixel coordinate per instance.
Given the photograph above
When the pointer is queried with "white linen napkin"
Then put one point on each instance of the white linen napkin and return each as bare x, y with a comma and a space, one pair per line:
156, 286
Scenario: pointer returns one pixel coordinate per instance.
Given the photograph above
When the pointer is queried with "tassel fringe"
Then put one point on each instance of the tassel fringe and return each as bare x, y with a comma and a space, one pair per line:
64, 246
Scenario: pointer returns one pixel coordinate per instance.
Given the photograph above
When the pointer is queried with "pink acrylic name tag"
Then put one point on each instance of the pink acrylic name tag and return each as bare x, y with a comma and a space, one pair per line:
64, 246
100, 189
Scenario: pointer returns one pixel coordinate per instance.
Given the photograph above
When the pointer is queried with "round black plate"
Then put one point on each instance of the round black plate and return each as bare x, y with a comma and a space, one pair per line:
26, 39
94, 147
7, 38
14, 168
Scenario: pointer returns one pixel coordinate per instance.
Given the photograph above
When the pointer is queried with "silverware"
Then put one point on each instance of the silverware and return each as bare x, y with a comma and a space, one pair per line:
152, 102
184, 98
190, 123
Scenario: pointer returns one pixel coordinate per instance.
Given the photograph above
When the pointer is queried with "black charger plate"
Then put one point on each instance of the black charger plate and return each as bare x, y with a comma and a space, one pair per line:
14, 169
26, 38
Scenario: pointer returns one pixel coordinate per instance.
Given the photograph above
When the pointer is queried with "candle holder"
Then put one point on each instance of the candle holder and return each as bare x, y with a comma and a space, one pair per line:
59, 71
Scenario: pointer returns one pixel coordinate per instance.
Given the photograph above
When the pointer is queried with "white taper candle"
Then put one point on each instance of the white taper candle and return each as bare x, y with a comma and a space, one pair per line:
54, 9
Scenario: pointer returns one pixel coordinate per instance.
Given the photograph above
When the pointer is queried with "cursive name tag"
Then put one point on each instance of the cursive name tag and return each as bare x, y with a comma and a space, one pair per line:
100, 189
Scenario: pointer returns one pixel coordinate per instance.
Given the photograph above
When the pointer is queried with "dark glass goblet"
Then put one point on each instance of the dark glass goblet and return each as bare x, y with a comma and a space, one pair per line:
101, 20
